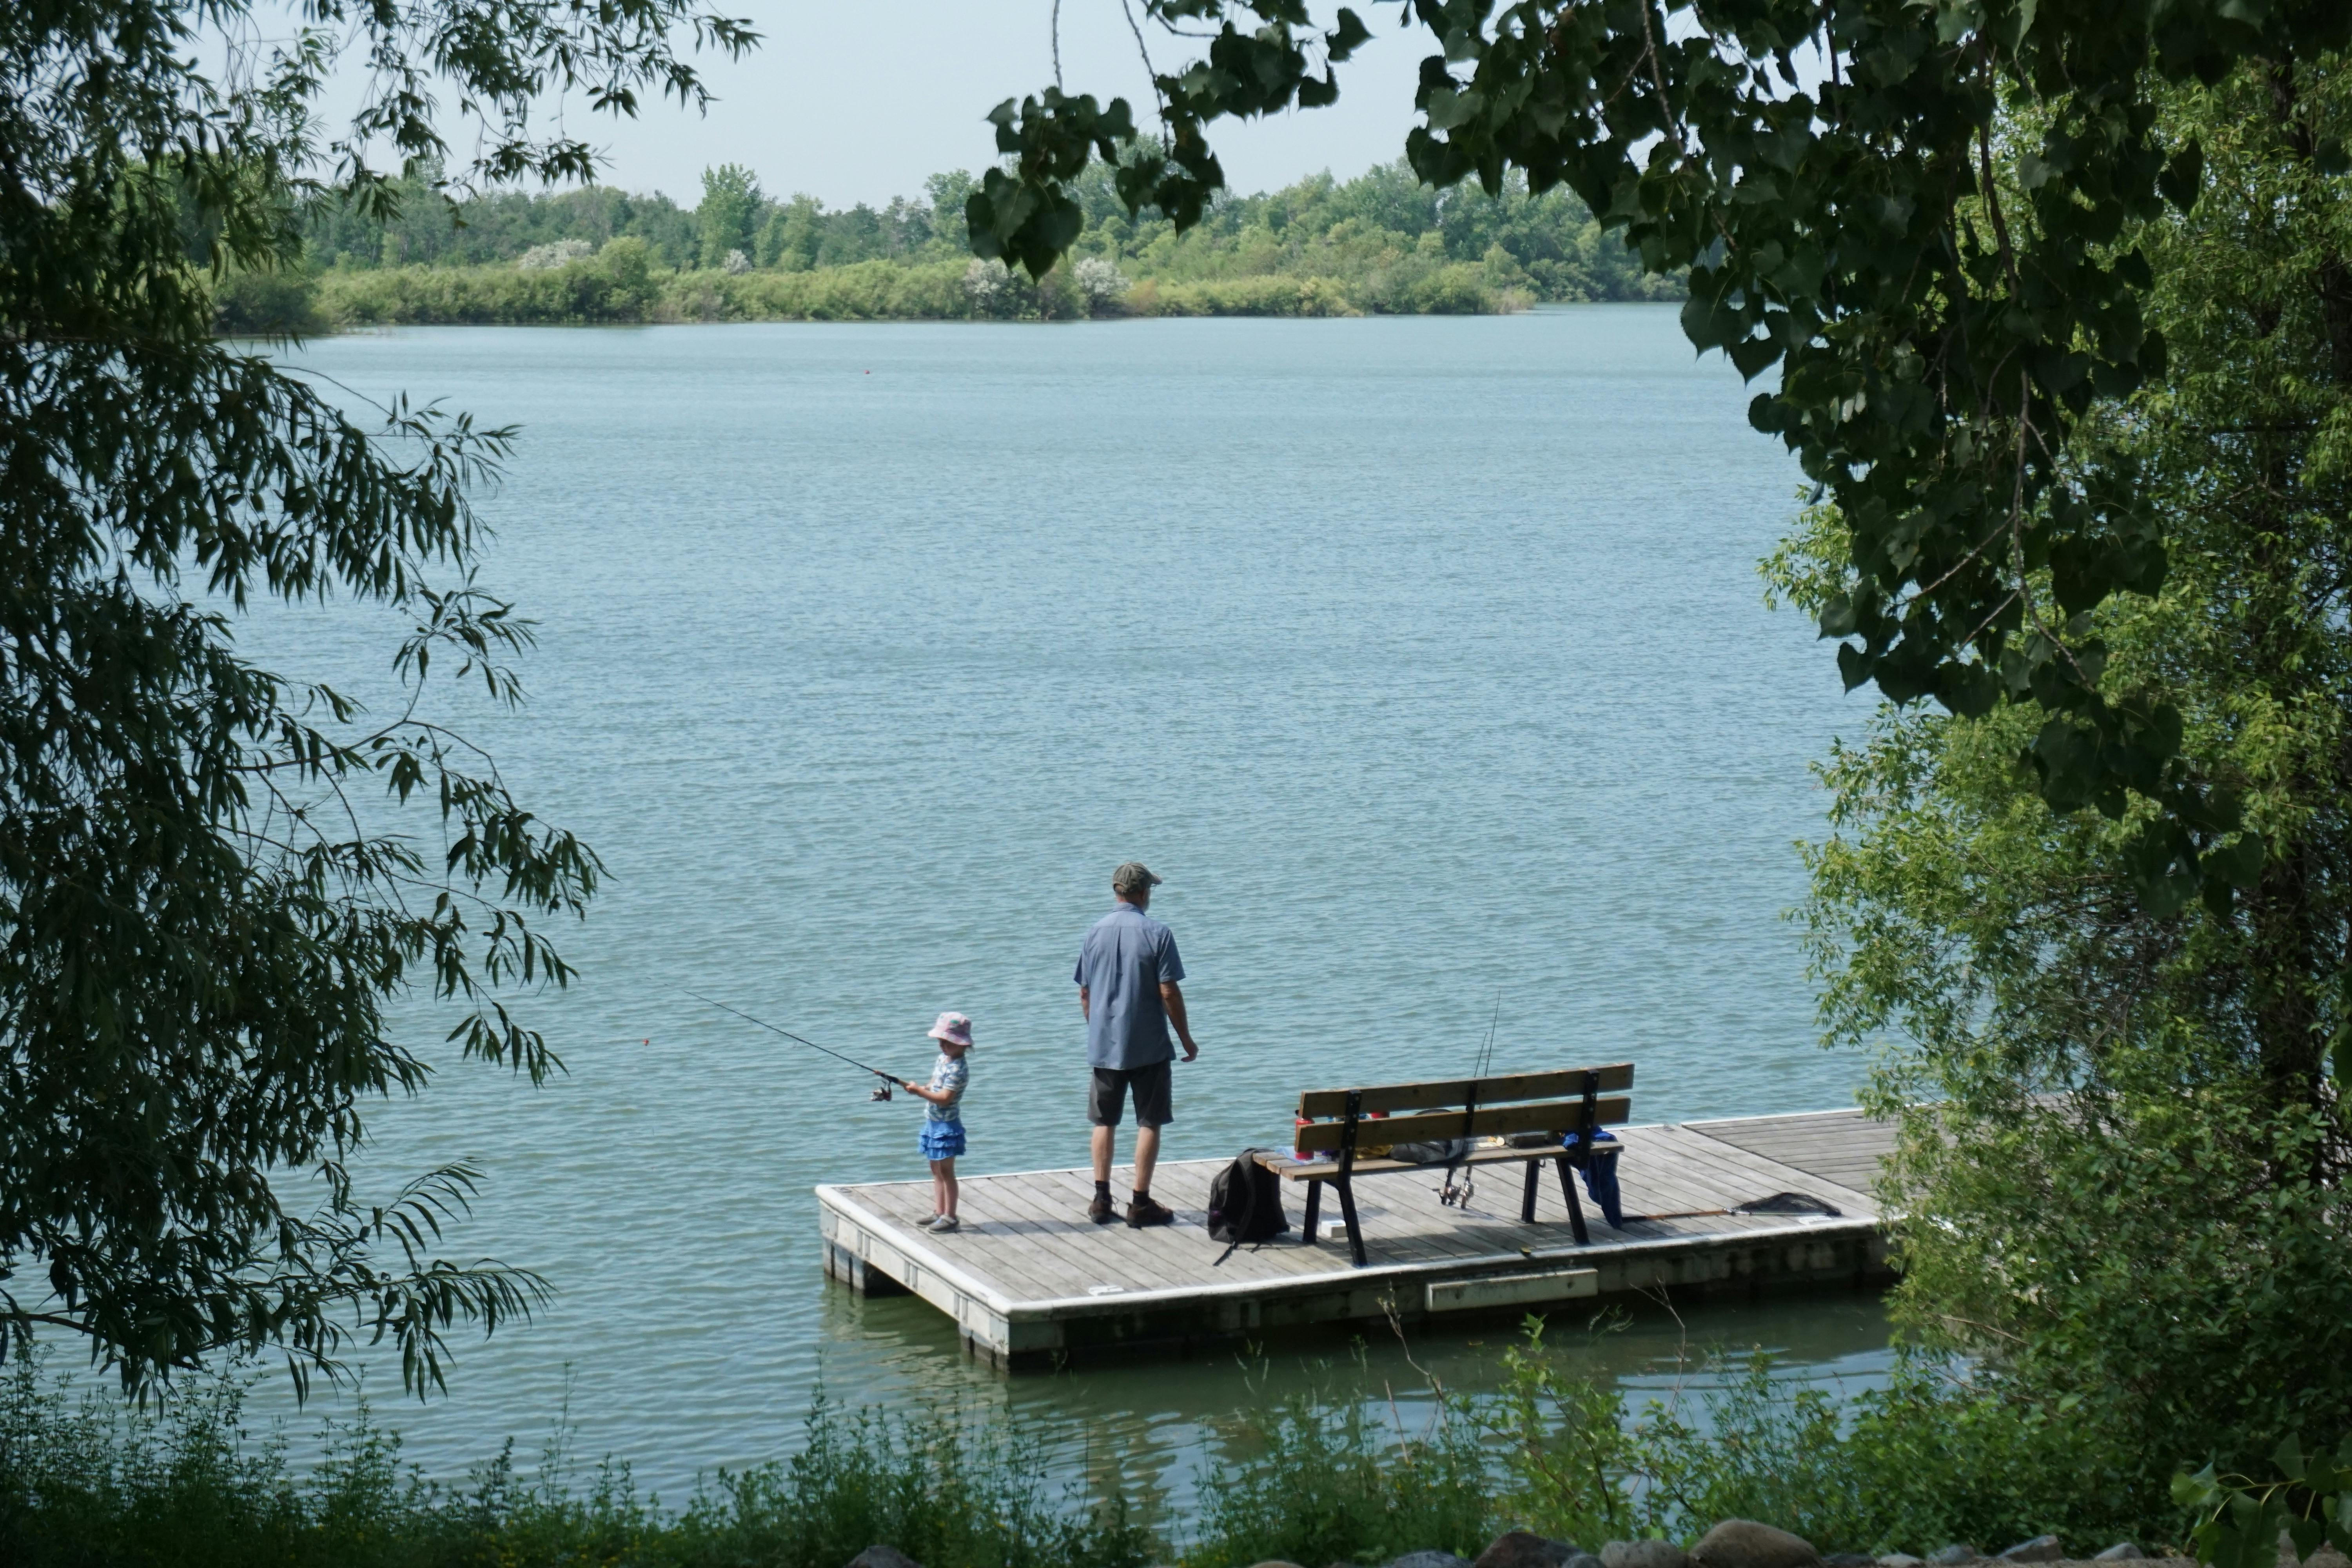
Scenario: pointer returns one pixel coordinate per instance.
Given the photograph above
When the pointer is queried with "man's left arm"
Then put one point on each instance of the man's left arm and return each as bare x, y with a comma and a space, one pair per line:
1172, 998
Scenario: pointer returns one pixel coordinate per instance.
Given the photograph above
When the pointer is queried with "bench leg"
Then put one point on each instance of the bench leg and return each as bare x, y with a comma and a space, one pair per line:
1568, 1191
1314, 1207
1347, 1213
1527, 1201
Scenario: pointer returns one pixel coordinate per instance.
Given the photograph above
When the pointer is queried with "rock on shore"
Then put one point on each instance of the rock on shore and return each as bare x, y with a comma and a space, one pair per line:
1744, 1543
1735, 1544
1644, 1554
1526, 1549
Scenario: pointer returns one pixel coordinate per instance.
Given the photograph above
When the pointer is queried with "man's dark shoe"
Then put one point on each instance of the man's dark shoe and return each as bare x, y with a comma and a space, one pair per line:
1101, 1211
1143, 1212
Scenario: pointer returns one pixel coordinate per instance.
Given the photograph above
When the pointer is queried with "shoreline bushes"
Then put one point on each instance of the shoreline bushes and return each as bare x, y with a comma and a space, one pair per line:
595, 290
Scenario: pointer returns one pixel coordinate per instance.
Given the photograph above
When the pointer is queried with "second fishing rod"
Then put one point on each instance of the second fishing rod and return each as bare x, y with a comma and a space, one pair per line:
890, 1080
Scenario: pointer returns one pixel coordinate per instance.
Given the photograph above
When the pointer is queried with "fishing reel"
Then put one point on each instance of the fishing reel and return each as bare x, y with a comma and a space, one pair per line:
881, 1092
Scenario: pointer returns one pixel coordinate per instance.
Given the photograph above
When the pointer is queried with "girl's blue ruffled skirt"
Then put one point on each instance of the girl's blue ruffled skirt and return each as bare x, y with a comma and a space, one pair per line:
941, 1140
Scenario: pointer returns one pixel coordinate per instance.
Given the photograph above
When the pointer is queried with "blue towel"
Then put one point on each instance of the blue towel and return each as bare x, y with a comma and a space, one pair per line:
1599, 1169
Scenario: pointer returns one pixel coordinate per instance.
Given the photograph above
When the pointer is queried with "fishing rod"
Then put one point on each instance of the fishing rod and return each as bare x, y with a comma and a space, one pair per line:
1450, 1193
889, 1080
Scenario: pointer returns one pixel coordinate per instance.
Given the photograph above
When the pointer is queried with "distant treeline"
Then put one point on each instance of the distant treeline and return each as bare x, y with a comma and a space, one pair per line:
1380, 242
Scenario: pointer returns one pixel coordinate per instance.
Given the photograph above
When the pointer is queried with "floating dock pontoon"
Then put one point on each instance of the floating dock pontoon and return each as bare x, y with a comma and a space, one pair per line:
1032, 1284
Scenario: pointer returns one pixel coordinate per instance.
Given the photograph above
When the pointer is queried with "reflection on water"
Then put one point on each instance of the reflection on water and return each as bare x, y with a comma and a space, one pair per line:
1149, 1428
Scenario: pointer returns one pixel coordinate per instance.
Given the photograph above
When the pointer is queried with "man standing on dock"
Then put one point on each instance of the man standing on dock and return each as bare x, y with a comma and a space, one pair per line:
1126, 979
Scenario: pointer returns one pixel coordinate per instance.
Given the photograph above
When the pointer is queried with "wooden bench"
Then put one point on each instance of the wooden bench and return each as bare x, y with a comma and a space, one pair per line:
1337, 1123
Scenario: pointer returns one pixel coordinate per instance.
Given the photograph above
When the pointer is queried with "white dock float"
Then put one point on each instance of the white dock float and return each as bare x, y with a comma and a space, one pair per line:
1032, 1284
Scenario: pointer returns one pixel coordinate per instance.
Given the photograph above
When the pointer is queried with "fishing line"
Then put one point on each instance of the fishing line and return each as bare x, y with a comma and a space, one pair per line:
888, 1080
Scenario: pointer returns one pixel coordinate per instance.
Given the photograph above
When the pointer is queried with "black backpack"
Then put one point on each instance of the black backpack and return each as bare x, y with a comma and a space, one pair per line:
1246, 1204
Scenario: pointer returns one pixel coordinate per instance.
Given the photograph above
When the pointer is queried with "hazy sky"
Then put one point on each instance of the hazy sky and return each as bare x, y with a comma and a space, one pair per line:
859, 102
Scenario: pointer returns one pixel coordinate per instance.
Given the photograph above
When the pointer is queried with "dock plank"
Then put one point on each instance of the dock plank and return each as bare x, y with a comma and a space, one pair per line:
1082, 1254
1125, 1253
1845, 1146
1753, 1175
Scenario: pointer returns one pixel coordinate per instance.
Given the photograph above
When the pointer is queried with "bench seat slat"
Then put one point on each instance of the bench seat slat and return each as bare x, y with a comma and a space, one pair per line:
1319, 1103
1292, 1170
1486, 1121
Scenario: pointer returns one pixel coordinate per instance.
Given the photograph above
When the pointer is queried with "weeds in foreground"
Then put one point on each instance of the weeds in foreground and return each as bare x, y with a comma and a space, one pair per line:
1326, 1484
1933, 1457
947, 1493
187, 1485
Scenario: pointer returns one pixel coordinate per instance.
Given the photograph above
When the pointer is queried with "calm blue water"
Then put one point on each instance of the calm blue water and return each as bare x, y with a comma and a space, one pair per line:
1424, 659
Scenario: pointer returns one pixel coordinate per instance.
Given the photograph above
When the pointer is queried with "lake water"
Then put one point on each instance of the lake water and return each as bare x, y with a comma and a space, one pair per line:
1426, 659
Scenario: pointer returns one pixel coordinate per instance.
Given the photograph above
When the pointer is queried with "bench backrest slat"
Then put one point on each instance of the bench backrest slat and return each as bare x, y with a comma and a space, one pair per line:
1319, 1103
1486, 1121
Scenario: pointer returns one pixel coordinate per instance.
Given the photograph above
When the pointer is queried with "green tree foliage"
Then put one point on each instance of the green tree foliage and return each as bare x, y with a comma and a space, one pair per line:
1552, 243
204, 900
274, 303
728, 217
793, 235
2125, 1138
944, 196
426, 227
1380, 242
1939, 333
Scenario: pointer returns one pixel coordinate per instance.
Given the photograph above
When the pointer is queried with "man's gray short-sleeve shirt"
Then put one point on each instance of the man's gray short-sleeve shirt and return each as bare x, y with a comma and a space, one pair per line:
1127, 957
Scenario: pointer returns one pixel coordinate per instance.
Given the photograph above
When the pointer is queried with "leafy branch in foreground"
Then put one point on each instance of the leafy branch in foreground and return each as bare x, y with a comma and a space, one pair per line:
2240, 1520
203, 911
1933, 247
2125, 1168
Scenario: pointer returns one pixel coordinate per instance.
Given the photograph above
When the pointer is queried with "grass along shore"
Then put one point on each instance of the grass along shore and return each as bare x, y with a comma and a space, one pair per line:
1928, 1461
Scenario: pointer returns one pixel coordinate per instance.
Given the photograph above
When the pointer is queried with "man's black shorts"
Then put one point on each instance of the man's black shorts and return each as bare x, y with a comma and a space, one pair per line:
1108, 1098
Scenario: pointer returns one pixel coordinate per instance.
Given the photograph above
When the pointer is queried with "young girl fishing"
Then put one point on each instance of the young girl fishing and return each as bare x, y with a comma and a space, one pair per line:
942, 1136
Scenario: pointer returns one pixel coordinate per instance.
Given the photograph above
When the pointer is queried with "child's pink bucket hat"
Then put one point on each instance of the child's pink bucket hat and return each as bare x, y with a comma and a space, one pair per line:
953, 1027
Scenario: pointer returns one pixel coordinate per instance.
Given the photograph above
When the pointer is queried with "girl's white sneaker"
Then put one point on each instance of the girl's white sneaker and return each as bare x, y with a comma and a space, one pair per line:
941, 1224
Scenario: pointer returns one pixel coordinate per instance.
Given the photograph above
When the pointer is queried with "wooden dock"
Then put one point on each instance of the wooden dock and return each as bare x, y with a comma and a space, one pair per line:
1031, 1284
